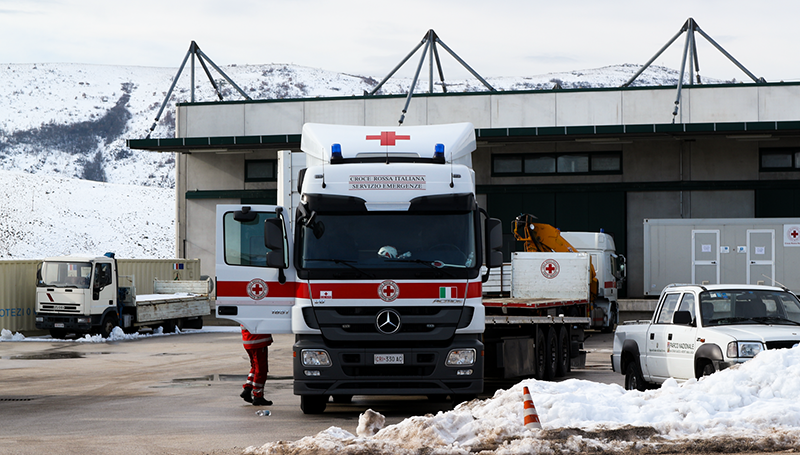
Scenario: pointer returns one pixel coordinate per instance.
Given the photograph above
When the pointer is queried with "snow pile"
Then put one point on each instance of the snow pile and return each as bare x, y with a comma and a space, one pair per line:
116, 335
756, 404
43, 216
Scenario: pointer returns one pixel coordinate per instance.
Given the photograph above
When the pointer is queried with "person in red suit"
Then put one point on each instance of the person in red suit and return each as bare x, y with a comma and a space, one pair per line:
256, 345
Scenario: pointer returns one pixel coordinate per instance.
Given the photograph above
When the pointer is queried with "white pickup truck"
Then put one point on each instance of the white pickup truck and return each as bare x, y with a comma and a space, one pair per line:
697, 330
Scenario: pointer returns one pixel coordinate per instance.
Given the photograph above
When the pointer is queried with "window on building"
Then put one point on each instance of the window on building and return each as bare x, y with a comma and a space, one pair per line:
260, 170
780, 159
557, 163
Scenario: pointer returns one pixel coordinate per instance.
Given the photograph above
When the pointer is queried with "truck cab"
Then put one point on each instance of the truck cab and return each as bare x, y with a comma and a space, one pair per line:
376, 270
76, 293
610, 272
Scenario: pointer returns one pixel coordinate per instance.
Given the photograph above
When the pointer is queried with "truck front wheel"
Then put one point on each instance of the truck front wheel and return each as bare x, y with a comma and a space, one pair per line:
633, 377
313, 404
107, 326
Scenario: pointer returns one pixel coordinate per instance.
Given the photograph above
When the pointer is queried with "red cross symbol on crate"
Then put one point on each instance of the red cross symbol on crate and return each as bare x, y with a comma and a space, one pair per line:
550, 268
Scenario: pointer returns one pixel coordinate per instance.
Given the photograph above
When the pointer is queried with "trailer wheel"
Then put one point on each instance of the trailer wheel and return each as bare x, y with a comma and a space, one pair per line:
564, 350
551, 355
313, 404
539, 353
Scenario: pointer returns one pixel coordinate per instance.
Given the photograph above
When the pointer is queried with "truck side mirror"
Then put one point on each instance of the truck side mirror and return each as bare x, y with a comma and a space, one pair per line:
682, 318
274, 239
494, 243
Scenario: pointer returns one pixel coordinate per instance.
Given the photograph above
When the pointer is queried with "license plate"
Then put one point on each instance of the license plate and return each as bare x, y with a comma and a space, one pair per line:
59, 325
388, 359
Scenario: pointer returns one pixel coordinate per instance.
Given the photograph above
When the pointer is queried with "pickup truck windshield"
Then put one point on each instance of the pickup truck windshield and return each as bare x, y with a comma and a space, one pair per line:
749, 307
65, 275
389, 240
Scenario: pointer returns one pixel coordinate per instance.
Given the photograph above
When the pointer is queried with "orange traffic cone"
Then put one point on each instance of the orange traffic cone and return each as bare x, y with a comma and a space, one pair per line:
531, 417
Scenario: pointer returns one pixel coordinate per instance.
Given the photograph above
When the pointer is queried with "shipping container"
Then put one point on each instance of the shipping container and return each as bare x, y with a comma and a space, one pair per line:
18, 294
721, 251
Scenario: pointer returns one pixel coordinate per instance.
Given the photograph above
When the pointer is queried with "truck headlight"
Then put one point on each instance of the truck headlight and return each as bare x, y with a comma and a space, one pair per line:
460, 357
315, 358
744, 348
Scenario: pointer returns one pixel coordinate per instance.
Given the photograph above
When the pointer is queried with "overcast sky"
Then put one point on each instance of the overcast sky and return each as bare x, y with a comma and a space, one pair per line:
370, 37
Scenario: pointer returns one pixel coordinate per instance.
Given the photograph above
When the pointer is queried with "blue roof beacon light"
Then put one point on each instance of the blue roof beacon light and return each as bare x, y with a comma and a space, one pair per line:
336, 152
438, 153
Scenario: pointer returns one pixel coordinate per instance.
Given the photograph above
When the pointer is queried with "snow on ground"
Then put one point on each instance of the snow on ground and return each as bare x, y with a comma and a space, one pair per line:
755, 406
116, 335
43, 215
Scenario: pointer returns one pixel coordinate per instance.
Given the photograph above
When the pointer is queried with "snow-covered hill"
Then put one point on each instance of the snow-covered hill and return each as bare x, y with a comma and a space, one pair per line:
63, 123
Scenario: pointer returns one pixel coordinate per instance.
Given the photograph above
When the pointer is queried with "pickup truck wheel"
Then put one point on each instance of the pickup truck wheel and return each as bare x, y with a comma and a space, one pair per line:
539, 354
313, 404
564, 359
706, 369
551, 355
633, 377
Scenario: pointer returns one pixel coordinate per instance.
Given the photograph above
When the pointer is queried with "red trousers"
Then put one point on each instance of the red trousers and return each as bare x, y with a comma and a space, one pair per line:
259, 366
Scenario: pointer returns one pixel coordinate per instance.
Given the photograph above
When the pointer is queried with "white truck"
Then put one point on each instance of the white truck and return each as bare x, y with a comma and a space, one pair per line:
697, 330
373, 261
84, 294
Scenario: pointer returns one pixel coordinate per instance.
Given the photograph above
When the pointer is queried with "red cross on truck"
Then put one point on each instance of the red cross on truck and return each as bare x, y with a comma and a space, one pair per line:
388, 137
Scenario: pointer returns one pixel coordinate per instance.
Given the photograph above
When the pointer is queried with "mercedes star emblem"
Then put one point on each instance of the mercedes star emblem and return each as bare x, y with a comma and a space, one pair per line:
388, 321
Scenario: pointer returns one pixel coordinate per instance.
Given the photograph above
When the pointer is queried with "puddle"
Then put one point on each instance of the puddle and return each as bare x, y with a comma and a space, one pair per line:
52, 355
48, 356
214, 378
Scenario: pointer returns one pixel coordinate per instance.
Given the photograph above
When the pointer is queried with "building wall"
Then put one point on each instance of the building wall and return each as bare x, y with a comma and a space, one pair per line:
663, 176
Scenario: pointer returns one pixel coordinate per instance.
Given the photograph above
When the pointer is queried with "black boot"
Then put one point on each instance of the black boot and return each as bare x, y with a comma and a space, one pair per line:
247, 394
261, 401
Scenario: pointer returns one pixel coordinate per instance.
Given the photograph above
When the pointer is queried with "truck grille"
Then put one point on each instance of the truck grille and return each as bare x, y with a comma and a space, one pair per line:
782, 344
59, 308
417, 323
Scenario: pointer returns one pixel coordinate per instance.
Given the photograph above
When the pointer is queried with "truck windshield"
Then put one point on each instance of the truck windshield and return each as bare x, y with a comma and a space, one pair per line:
749, 307
65, 274
389, 240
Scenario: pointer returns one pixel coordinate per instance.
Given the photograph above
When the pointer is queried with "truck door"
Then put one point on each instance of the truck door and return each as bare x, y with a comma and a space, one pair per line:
705, 256
656, 362
681, 341
761, 256
248, 290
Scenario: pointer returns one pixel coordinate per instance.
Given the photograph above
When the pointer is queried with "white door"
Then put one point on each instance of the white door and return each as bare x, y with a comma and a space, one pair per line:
761, 256
705, 256
681, 341
259, 297
657, 338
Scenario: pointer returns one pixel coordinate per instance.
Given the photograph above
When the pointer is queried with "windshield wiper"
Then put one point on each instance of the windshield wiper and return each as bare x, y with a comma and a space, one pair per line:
347, 263
735, 320
428, 263
773, 319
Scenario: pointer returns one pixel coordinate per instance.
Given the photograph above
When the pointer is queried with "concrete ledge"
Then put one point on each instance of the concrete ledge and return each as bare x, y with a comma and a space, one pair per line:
638, 304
